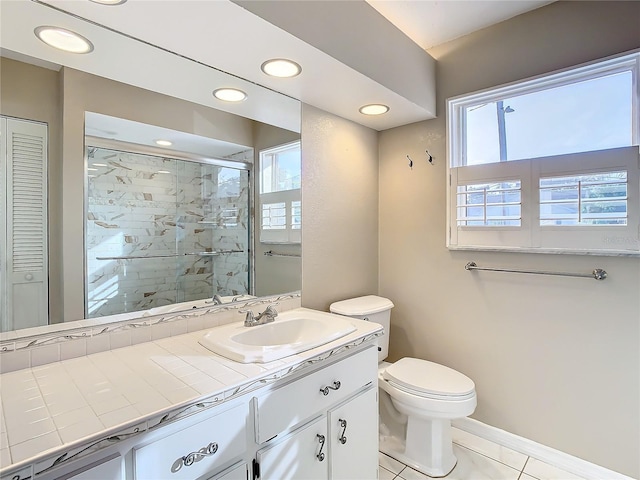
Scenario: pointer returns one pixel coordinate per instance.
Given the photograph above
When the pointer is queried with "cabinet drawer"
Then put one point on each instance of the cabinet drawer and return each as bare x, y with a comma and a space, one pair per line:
196, 450
109, 468
295, 402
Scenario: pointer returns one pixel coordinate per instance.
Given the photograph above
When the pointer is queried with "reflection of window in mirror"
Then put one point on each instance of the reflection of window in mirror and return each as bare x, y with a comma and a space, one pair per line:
280, 205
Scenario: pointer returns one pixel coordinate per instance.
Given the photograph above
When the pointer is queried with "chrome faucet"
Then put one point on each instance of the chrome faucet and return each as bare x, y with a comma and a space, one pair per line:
268, 316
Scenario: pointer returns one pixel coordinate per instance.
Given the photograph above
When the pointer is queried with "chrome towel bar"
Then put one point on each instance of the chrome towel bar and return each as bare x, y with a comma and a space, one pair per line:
271, 253
171, 255
597, 274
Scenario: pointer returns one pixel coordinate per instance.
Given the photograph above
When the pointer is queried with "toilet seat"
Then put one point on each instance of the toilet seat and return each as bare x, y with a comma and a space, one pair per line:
428, 380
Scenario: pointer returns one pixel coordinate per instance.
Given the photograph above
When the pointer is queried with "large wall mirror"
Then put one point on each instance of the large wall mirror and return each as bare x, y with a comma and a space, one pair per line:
130, 227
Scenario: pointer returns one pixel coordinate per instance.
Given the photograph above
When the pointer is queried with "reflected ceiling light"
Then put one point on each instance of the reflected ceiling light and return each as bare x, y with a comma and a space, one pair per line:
281, 67
229, 94
164, 143
164, 171
63, 39
109, 2
99, 164
374, 109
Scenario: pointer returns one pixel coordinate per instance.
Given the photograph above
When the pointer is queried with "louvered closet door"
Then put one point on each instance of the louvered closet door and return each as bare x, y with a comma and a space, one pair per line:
26, 275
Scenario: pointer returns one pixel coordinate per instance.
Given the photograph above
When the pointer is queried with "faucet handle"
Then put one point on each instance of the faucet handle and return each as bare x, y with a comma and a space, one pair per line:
272, 308
249, 319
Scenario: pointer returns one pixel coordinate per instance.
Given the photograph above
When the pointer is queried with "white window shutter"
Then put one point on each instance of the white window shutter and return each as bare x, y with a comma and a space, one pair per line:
26, 275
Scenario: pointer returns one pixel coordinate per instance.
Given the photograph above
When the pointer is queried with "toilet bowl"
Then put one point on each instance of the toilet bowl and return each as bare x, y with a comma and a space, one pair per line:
418, 398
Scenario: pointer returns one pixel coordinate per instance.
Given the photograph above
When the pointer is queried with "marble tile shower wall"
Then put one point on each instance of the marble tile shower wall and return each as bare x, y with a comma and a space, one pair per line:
227, 215
147, 206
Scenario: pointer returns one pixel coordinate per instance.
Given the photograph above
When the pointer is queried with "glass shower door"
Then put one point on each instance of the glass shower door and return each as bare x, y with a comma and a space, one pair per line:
213, 224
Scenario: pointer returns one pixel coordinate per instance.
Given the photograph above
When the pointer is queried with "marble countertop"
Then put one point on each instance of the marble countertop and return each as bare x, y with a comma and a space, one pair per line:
52, 409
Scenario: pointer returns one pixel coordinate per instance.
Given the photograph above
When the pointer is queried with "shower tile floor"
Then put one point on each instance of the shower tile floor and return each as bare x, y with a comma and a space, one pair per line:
480, 459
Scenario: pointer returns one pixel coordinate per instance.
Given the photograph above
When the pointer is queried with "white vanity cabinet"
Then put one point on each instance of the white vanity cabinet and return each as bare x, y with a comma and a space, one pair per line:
318, 421
342, 445
337, 408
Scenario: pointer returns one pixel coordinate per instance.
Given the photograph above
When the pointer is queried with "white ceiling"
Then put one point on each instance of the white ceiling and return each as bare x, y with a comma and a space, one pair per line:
225, 35
431, 23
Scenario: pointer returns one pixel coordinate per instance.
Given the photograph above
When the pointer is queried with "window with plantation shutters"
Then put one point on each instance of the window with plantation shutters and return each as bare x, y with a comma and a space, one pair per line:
24, 178
548, 164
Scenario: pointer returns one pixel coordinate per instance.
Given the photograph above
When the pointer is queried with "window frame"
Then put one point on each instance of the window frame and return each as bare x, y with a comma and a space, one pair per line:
274, 151
531, 236
291, 233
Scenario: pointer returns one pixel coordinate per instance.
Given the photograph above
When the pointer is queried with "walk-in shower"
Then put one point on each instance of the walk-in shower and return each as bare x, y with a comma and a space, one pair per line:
161, 230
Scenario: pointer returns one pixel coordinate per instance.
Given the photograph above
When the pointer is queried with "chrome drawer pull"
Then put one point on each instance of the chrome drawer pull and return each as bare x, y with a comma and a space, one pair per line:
207, 451
320, 455
325, 390
343, 424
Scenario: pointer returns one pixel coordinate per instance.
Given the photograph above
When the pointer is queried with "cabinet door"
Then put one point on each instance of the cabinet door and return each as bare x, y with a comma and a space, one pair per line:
237, 472
303, 454
110, 468
353, 433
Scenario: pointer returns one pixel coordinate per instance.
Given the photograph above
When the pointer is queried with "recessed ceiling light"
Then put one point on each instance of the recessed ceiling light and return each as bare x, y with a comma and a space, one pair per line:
229, 94
374, 109
281, 67
63, 39
109, 2
164, 143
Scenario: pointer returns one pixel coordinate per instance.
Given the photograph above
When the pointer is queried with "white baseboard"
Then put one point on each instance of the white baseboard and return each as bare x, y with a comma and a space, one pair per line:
549, 455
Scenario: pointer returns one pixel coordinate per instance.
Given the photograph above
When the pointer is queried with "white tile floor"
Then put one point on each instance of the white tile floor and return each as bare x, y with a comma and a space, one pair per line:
480, 459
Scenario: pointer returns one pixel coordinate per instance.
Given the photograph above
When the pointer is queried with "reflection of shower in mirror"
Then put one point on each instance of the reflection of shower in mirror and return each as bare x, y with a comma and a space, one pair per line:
161, 231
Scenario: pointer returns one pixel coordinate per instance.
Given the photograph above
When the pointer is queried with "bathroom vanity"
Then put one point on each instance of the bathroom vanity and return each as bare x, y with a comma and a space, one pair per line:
311, 415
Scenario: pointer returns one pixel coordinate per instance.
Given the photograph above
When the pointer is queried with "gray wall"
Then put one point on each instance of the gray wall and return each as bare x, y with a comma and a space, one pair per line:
339, 209
554, 359
273, 274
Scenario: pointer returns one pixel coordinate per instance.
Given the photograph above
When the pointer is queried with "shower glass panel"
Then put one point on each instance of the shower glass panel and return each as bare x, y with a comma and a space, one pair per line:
161, 231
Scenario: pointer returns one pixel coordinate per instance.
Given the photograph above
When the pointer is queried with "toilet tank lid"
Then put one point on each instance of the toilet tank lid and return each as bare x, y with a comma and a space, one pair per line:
366, 305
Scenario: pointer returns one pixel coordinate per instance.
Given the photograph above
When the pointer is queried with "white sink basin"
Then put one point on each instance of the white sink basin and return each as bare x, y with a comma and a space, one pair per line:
292, 332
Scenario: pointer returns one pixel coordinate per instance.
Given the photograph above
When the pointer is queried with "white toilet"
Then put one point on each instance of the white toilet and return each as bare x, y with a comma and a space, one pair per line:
418, 399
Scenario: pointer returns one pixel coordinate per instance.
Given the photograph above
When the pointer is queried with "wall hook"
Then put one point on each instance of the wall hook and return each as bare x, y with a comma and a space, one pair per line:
430, 157
410, 162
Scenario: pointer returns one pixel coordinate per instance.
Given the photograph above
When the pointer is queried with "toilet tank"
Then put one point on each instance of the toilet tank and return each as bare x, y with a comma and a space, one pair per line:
373, 309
